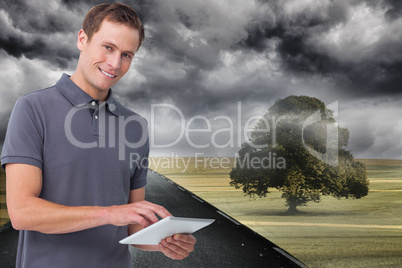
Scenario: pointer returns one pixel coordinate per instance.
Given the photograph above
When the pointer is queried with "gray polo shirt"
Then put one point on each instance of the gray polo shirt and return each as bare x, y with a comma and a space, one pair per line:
90, 155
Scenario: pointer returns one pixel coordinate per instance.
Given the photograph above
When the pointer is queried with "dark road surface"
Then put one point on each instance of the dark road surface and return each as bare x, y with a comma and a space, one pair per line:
224, 243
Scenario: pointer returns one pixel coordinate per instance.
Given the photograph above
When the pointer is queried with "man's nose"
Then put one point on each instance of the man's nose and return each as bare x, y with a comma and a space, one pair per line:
114, 60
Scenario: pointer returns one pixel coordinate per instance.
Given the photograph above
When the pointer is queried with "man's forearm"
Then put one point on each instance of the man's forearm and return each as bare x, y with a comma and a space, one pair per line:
30, 212
37, 214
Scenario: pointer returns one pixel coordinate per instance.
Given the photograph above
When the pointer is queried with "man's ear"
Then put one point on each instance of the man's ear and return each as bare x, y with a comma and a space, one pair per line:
82, 39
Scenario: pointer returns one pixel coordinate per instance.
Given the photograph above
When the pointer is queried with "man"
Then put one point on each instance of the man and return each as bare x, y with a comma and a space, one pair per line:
71, 188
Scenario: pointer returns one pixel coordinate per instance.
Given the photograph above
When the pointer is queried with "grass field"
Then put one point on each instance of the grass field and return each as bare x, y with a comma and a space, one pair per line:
334, 233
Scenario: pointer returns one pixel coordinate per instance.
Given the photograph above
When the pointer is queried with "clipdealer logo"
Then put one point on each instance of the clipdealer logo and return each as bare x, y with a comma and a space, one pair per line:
236, 132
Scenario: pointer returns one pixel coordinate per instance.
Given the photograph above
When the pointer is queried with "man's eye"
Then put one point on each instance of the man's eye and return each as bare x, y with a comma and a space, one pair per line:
108, 47
128, 56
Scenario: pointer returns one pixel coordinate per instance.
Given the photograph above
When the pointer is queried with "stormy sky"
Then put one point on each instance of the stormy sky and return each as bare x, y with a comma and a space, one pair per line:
216, 65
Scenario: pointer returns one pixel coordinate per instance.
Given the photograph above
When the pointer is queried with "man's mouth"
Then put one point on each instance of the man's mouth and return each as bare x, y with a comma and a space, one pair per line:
107, 74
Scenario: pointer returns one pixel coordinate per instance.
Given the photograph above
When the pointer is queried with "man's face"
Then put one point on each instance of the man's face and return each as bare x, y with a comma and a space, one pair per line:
106, 58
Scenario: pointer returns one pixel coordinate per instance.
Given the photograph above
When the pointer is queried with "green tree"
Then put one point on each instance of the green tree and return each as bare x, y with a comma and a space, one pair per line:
295, 154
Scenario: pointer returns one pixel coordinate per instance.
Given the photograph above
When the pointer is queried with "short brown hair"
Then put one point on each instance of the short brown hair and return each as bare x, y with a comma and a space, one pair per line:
116, 12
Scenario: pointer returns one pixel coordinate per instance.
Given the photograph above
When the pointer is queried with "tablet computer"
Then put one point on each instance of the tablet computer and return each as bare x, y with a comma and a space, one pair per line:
153, 234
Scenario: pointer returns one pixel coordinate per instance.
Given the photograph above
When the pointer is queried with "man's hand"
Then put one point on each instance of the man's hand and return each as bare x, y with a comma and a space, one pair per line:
177, 247
141, 212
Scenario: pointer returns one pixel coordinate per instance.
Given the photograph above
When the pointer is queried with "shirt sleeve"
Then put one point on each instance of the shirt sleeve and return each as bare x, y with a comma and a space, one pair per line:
139, 178
24, 138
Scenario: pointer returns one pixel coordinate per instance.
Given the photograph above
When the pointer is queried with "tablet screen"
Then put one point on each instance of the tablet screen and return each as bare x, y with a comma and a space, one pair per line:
153, 234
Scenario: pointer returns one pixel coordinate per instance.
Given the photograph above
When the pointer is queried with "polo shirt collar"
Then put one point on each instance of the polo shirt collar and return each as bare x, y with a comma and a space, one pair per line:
78, 97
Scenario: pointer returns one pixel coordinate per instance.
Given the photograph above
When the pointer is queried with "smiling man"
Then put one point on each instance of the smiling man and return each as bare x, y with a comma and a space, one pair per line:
73, 203
105, 56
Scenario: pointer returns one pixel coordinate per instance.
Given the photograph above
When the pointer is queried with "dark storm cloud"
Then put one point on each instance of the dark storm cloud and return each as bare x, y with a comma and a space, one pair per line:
395, 10
292, 31
142, 7
375, 74
17, 46
38, 32
36, 49
35, 19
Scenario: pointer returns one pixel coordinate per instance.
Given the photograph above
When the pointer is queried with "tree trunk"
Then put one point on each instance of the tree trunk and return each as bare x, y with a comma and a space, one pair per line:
292, 207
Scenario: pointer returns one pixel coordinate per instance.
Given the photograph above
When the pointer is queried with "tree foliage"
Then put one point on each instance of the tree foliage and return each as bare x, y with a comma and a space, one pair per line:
277, 156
